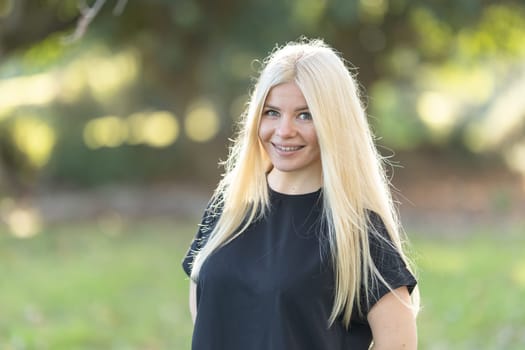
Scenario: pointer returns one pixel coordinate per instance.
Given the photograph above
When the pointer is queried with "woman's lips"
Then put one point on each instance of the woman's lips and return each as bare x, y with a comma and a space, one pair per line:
286, 148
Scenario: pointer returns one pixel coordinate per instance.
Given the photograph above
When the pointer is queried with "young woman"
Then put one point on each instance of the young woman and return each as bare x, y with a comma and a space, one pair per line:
299, 247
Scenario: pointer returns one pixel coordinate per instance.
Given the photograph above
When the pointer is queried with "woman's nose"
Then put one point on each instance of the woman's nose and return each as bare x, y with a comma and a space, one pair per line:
286, 127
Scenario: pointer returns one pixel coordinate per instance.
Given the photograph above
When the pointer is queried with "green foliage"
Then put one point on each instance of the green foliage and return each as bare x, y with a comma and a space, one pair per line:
499, 32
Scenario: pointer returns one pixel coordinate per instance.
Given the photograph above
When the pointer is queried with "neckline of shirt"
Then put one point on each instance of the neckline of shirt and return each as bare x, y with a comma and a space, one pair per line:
314, 194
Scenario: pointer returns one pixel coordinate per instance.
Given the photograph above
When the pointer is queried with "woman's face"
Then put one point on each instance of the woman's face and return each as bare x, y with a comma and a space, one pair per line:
287, 132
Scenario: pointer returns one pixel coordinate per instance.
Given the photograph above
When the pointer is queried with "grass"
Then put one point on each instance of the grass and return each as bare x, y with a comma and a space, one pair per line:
75, 287
79, 287
472, 291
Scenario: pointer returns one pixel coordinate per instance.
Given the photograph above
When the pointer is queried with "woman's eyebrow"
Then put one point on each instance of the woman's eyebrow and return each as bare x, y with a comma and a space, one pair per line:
271, 107
304, 108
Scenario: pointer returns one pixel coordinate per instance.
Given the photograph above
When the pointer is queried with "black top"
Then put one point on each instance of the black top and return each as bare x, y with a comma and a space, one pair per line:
273, 286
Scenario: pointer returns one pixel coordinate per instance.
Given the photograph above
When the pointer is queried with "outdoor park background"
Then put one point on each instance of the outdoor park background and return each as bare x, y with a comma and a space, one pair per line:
109, 145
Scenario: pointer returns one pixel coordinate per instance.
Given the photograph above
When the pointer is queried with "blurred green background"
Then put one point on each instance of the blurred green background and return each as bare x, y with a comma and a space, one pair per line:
110, 134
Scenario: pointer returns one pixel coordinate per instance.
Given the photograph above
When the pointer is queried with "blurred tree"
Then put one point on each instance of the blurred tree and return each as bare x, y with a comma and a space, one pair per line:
432, 71
25, 22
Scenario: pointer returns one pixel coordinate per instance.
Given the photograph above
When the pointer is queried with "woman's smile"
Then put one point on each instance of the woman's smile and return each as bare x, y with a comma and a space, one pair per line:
286, 149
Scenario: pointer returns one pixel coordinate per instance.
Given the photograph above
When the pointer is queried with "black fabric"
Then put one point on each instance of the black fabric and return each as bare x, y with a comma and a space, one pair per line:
273, 286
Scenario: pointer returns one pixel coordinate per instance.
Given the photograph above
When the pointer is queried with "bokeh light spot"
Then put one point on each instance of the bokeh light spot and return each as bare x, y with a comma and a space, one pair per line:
155, 129
35, 139
109, 131
106, 76
74, 81
201, 123
39, 89
436, 111
161, 129
24, 222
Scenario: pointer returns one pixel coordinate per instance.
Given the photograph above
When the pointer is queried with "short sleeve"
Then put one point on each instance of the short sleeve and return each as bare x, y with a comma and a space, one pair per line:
388, 261
209, 219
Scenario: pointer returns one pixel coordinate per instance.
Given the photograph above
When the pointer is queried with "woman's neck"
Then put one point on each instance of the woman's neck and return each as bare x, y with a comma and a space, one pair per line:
290, 183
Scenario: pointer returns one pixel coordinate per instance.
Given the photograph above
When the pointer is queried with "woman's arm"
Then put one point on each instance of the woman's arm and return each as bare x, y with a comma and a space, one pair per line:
393, 324
193, 300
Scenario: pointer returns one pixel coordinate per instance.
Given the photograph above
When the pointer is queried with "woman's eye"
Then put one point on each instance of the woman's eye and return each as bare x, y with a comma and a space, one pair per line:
305, 116
271, 113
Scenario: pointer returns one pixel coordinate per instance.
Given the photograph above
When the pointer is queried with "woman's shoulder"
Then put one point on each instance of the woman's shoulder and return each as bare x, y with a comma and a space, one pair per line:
211, 214
376, 223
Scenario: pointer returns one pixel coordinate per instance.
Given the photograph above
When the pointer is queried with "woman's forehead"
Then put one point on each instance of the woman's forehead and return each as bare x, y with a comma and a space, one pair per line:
285, 93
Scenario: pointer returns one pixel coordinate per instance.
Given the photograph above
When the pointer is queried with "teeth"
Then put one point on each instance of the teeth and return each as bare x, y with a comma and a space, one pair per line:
287, 149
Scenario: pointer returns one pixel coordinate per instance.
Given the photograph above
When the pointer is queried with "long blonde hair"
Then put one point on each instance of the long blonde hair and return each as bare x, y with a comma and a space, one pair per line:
354, 180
